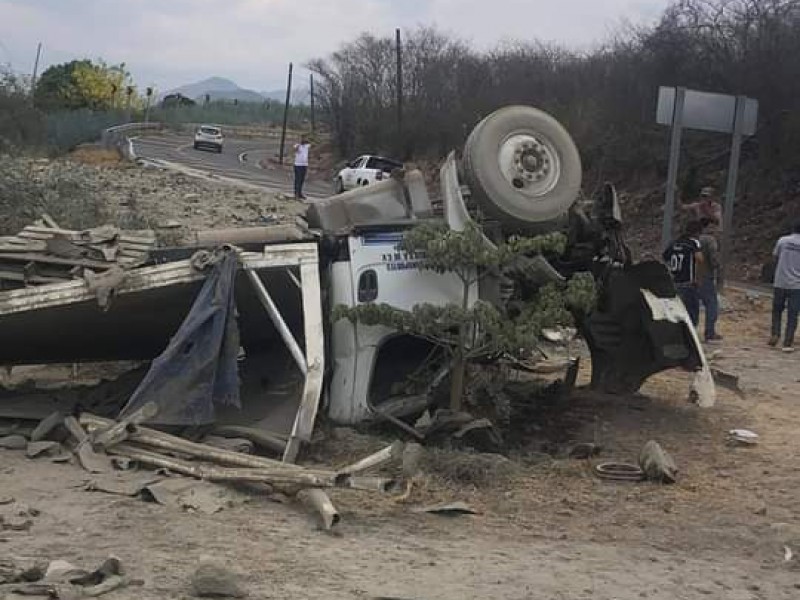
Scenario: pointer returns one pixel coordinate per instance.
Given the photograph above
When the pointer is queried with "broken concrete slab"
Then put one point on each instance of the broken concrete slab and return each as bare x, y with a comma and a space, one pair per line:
45, 448
187, 494
13, 442
657, 464
46, 426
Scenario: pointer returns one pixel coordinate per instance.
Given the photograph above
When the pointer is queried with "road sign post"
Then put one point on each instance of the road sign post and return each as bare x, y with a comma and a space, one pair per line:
672, 170
690, 109
730, 188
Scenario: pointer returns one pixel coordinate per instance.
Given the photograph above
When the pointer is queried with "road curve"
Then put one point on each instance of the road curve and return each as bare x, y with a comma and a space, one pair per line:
239, 161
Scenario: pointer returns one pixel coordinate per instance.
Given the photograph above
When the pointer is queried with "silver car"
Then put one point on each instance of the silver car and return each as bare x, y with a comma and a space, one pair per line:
208, 136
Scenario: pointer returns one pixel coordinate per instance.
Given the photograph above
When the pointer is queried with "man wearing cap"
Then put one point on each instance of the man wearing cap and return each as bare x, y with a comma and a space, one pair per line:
706, 207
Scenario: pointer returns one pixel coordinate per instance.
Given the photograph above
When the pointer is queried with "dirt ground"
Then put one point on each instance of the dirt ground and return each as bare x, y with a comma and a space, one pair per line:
547, 529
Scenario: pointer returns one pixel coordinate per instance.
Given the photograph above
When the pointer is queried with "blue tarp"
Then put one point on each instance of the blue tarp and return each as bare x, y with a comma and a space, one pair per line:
198, 369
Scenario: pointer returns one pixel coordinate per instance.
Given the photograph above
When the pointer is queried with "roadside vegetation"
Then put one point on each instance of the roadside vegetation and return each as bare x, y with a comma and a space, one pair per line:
605, 97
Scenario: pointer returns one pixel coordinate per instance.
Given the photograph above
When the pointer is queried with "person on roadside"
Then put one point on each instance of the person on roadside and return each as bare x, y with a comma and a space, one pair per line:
786, 288
301, 151
707, 206
709, 273
684, 259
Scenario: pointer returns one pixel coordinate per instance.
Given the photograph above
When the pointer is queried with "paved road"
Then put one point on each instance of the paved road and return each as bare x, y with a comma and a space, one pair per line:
239, 160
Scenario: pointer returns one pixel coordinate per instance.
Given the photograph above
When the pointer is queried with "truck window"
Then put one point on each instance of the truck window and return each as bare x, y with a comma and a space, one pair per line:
385, 165
368, 286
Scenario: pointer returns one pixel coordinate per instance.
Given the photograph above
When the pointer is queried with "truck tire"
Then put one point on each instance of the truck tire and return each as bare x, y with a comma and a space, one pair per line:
522, 168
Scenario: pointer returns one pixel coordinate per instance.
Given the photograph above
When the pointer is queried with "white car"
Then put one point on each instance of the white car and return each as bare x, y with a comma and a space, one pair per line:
208, 136
364, 170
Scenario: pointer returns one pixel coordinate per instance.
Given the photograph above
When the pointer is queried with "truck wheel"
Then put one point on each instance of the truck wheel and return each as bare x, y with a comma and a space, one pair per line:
522, 167
339, 186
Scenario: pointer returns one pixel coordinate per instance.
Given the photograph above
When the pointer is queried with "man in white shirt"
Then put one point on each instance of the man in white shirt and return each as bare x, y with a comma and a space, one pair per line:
300, 166
786, 292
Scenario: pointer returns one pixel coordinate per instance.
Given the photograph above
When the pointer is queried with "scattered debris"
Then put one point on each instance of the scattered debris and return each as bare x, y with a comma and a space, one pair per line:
726, 380
218, 465
16, 523
13, 442
743, 437
451, 509
19, 571
89, 460
169, 224
585, 450
187, 494
657, 464
619, 471
213, 580
46, 448
46, 426
41, 254
234, 444
61, 569
122, 485
320, 505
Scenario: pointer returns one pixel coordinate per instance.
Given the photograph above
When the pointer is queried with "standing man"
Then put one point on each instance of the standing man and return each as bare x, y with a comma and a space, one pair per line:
684, 258
786, 292
709, 272
706, 207
300, 166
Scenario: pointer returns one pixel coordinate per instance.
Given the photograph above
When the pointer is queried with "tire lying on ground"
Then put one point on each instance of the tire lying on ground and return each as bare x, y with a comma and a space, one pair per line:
523, 168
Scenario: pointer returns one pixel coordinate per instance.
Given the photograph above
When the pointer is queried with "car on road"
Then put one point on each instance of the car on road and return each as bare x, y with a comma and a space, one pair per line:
363, 171
208, 136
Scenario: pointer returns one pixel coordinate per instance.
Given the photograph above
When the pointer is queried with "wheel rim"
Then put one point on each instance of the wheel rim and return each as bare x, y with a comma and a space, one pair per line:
530, 164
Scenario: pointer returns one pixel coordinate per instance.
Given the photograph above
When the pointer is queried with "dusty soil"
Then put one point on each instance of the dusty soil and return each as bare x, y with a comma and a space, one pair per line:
104, 190
547, 528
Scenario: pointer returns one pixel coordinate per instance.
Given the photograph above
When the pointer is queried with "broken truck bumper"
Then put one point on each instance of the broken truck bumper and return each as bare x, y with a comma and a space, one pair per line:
639, 328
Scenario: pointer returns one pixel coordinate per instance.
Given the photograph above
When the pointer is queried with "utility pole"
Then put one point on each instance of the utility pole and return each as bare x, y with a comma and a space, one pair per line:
286, 114
313, 115
149, 93
399, 85
36, 67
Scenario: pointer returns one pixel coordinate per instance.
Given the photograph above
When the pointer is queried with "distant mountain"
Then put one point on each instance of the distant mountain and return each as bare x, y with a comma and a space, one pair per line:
217, 88
299, 95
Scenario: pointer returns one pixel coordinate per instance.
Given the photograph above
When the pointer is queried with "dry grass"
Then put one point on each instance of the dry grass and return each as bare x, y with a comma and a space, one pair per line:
95, 155
469, 468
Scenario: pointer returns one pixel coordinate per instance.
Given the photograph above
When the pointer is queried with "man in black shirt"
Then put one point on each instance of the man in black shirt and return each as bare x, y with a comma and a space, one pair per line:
684, 258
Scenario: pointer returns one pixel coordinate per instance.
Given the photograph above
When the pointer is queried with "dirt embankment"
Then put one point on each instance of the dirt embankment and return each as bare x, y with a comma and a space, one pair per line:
91, 187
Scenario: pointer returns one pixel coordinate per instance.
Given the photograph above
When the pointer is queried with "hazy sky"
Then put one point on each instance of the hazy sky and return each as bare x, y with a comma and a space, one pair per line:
171, 42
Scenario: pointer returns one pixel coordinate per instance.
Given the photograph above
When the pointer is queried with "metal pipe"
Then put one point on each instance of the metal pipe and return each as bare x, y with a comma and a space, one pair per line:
730, 190
277, 319
294, 279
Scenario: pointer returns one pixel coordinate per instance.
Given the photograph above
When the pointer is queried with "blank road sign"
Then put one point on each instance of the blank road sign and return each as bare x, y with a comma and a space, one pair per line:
706, 111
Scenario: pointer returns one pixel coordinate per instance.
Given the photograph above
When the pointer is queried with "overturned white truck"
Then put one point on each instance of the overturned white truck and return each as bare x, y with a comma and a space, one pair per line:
519, 173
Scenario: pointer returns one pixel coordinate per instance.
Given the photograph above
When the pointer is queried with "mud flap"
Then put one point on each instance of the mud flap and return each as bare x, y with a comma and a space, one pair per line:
640, 328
